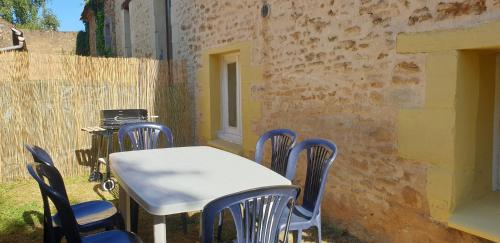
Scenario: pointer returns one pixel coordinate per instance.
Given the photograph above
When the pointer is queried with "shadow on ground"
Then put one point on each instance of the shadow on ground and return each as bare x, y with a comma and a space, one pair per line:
21, 215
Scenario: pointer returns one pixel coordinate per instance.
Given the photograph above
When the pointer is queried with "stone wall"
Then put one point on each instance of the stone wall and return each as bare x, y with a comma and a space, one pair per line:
147, 28
110, 19
50, 42
5, 34
331, 70
119, 28
45, 42
92, 28
142, 28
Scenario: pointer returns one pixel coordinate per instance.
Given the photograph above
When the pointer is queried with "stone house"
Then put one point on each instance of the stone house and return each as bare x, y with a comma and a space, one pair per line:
408, 90
141, 28
88, 16
131, 28
92, 21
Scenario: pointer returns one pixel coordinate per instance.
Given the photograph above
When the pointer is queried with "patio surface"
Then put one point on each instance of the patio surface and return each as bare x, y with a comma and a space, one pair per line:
21, 215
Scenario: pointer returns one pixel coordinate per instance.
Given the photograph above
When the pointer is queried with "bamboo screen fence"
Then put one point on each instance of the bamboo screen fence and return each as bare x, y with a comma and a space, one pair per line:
46, 99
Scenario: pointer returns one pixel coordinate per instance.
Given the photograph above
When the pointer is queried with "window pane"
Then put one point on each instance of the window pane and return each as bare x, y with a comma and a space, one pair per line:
232, 95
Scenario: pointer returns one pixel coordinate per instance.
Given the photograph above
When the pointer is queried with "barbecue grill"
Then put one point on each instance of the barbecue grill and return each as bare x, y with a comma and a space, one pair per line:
111, 121
114, 119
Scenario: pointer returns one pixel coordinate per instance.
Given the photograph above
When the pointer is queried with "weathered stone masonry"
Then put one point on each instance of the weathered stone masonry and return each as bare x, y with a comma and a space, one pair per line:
39, 41
147, 28
330, 70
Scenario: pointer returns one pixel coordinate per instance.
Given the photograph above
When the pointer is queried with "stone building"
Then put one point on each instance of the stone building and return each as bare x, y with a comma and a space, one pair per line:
141, 28
131, 28
88, 16
406, 89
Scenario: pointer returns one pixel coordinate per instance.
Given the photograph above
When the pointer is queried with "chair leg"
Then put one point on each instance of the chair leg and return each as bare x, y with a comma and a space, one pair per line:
120, 224
221, 222
54, 234
46, 233
134, 216
319, 233
58, 236
185, 223
297, 236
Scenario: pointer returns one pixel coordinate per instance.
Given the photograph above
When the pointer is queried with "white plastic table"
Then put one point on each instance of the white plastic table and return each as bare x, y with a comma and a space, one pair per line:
176, 180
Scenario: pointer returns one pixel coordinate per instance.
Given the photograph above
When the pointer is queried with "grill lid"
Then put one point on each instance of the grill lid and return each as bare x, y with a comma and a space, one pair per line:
116, 118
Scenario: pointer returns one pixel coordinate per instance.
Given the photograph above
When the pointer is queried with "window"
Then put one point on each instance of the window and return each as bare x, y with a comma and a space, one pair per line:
230, 100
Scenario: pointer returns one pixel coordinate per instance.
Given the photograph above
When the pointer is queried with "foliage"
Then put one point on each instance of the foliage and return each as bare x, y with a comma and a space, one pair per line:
82, 44
30, 14
49, 20
97, 6
100, 42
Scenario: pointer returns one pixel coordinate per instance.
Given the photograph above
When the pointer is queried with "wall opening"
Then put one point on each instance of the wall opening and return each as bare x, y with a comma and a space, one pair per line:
230, 99
210, 97
496, 128
127, 34
475, 97
160, 22
456, 133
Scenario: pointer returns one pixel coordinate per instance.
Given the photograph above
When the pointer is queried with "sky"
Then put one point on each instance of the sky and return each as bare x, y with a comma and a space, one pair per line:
68, 12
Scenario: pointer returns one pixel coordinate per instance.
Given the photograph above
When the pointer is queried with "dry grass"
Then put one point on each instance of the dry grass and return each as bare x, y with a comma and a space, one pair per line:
46, 100
21, 214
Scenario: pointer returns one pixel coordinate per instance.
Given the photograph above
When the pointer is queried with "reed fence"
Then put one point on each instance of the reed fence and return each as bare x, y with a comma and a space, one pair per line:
46, 99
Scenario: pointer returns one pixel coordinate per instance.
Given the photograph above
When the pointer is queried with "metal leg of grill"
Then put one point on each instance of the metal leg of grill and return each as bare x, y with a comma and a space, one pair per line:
96, 174
108, 184
110, 150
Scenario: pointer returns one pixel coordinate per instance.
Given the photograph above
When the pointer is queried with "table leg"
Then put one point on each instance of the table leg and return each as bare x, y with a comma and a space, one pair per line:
160, 229
124, 204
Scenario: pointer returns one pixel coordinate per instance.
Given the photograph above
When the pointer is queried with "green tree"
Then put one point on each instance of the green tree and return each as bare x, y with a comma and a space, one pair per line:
30, 14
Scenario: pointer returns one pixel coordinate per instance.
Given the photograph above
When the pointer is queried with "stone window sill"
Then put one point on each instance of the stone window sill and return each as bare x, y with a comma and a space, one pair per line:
226, 146
480, 217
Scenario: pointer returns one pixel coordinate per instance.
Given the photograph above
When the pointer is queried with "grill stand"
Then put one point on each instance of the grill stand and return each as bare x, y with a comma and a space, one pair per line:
107, 183
111, 121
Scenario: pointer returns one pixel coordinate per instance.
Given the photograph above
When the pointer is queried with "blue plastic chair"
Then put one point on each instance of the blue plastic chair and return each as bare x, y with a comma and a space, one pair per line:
256, 214
282, 141
142, 136
145, 135
70, 228
91, 215
320, 156
39, 155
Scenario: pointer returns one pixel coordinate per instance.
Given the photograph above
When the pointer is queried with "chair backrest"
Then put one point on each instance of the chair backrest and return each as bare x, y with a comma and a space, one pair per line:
42, 173
256, 213
39, 154
320, 156
282, 141
145, 135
